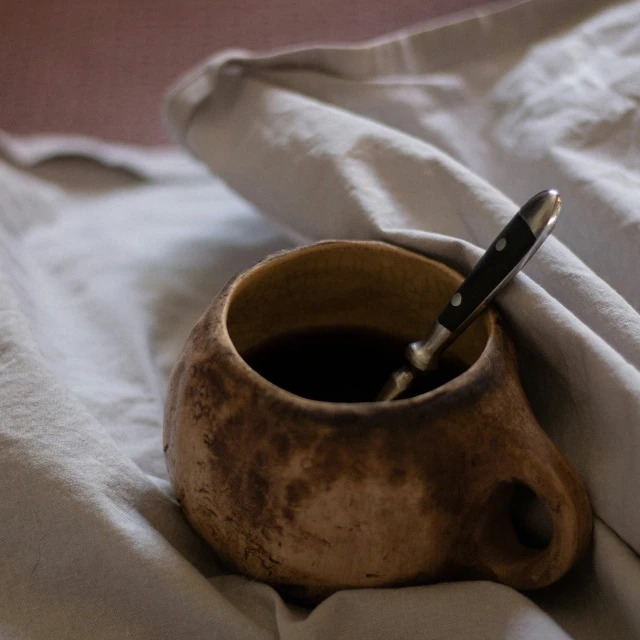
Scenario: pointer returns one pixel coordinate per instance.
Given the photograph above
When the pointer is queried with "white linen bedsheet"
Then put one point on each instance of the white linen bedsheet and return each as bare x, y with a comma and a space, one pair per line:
428, 139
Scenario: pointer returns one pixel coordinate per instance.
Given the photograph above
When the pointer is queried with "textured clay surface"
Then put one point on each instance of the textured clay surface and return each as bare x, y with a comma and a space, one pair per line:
313, 497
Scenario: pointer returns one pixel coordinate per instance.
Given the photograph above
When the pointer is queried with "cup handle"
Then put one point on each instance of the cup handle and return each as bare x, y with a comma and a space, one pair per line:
501, 555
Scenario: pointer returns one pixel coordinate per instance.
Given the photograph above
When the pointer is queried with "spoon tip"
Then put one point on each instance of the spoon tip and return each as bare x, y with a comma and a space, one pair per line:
541, 211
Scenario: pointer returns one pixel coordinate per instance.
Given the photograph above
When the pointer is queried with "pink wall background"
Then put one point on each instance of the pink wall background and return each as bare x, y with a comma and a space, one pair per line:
101, 67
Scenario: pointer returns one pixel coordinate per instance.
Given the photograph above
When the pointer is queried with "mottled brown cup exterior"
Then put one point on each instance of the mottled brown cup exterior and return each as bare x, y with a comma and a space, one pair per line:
313, 497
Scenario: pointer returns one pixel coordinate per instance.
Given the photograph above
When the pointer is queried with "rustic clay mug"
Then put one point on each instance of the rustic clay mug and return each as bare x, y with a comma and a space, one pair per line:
312, 497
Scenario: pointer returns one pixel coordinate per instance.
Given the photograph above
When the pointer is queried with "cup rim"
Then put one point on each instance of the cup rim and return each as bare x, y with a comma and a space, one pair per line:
489, 315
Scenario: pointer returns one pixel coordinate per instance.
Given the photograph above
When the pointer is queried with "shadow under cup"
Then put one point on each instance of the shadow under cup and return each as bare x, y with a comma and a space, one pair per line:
332, 323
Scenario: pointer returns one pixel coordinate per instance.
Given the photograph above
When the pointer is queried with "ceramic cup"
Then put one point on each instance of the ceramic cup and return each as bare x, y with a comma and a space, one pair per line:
313, 497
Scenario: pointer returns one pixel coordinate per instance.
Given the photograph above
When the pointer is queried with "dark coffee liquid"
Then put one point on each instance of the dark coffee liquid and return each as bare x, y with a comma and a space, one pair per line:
341, 364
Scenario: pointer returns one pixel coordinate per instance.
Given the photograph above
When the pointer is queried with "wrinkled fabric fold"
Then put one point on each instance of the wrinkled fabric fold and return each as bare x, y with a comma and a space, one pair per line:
428, 138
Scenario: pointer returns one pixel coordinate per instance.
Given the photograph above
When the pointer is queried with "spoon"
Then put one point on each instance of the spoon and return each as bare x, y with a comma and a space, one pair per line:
508, 253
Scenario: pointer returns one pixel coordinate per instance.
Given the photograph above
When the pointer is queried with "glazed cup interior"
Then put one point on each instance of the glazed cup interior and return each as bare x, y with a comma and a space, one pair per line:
369, 285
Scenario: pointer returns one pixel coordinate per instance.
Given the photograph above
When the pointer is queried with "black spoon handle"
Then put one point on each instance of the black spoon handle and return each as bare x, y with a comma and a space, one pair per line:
508, 253
504, 255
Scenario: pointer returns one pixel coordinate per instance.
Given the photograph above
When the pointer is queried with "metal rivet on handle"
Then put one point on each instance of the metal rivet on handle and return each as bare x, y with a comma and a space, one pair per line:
456, 300
501, 244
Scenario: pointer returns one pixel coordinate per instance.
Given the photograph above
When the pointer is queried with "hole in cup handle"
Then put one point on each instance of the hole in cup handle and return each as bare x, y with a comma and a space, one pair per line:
562, 493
